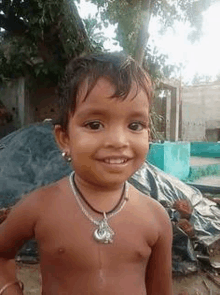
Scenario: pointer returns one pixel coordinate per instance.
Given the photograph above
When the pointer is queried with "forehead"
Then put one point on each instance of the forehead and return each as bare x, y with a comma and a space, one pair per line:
102, 97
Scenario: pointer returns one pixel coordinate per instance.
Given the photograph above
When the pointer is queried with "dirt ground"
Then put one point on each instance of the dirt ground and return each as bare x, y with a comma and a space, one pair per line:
193, 284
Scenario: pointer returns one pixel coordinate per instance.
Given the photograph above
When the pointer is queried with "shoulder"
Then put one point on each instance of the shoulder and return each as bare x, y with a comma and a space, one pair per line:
147, 201
31, 205
153, 212
21, 222
46, 192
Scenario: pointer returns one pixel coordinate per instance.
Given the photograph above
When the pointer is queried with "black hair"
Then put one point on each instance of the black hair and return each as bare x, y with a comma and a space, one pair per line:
120, 69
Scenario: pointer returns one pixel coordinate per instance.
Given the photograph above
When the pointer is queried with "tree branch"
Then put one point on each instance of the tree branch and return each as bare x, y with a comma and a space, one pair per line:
76, 26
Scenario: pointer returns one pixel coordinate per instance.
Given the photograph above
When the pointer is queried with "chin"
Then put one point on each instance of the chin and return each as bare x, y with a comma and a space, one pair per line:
113, 180
105, 178
108, 181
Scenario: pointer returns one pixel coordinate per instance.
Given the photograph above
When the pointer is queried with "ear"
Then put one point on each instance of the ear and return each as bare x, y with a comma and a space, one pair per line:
62, 138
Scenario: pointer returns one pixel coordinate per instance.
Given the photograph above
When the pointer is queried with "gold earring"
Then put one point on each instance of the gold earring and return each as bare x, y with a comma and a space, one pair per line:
66, 157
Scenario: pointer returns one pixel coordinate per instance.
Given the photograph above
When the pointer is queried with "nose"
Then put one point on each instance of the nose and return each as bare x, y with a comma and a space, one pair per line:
116, 138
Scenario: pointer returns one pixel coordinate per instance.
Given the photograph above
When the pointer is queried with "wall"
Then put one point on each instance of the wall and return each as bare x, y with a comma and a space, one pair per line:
159, 105
171, 157
155, 155
44, 104
201, 112
13, 97
27, 105
168, 113
164, 107
205, 149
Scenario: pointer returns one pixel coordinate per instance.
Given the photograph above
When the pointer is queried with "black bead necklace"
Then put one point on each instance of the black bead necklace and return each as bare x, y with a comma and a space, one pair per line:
91, 207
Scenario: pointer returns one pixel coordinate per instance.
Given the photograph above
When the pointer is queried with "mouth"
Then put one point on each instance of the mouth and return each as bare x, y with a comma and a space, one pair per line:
115, 161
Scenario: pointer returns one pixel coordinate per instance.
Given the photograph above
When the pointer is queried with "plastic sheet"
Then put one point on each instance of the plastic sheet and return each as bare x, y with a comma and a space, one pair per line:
29, 158
165, 188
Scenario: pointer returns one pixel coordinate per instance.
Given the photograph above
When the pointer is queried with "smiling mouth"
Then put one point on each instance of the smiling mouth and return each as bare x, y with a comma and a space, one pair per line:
115, 161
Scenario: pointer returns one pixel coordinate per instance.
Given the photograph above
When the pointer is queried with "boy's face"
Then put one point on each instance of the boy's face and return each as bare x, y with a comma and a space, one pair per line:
107, 138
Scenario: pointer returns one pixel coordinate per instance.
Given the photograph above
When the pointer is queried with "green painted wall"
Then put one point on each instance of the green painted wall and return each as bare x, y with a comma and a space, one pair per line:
171, 157
156, 155
205, 149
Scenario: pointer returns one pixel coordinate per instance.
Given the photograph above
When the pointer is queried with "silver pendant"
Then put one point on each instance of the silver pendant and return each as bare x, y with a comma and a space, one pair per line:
104, 234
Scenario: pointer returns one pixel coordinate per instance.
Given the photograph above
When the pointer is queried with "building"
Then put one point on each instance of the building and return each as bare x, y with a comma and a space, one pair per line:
190, 113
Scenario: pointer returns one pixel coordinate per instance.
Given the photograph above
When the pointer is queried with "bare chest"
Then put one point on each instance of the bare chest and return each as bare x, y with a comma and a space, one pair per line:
66, 238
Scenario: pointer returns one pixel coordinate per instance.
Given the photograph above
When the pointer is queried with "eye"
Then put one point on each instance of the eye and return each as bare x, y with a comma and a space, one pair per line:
94, 125
137, 126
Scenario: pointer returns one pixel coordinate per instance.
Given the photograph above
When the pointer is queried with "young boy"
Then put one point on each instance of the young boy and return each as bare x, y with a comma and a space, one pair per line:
96, 233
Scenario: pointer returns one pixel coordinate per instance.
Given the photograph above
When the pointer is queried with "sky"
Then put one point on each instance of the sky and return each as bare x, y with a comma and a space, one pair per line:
202, 57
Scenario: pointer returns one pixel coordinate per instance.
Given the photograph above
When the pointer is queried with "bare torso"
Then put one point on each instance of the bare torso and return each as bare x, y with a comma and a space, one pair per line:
72, 262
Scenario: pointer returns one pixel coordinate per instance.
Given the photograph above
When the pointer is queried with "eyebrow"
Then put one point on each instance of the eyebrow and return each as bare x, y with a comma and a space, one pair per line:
92, 112
100, 112
139, 114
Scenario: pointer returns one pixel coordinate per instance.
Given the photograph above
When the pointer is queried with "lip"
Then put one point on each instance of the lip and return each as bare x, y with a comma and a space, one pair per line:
115, 166
115, 158
111, 164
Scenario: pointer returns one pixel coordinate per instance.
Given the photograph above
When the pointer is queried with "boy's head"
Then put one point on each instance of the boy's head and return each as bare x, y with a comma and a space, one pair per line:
121, 70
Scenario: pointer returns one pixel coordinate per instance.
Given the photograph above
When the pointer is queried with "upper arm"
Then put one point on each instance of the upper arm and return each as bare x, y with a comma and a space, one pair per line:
159, 268
18, 226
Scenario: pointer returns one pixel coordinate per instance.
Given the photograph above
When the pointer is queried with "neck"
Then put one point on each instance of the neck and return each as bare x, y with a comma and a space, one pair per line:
96, 187
101, 198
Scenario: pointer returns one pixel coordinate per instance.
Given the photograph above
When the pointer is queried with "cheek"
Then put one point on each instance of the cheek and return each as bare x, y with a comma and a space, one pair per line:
84, 139
144, 151
143, 144
82, 144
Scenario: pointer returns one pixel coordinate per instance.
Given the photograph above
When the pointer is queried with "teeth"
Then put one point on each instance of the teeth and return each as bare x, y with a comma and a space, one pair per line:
115, 161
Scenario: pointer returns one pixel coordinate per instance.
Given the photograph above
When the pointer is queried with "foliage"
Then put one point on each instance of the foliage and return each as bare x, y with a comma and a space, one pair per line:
40, 37
155, 121
93, 29
157, 66
133, 17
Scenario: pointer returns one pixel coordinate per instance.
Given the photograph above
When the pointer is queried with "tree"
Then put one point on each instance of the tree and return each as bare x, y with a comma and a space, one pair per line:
42, 35
39, 37
93, 28
157, 66
133, 18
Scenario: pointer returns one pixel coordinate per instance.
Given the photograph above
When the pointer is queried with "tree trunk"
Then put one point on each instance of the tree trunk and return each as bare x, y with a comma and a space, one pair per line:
143, 34
74, 21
